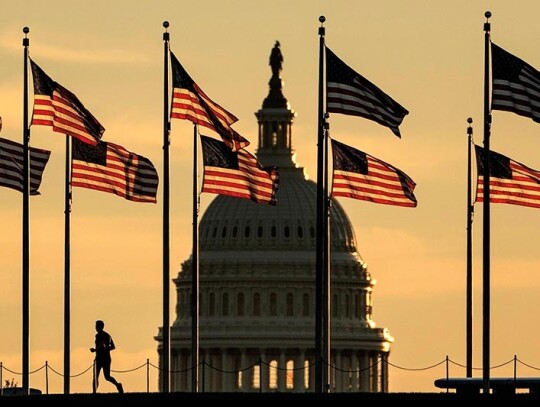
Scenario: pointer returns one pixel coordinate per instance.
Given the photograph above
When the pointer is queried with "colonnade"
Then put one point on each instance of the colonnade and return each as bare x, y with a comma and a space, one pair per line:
278, 370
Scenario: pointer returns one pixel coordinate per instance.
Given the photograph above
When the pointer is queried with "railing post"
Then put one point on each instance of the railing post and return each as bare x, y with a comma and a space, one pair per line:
1, 379
148, 375
46, 377
447, 372
515, 368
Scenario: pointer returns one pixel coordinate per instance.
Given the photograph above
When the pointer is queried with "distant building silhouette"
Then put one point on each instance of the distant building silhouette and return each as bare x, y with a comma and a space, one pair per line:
257, 286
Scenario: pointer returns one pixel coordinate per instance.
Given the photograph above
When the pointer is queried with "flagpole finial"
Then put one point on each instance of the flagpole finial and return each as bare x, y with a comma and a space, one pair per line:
166, 33
26, 41
322, 19
469, 129
487, 25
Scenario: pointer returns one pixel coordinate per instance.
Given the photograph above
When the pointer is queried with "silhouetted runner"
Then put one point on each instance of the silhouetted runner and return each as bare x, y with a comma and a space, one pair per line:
104, 344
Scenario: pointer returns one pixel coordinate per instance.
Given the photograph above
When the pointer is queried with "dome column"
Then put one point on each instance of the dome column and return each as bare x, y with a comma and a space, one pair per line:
311, 369
184, 371
282, 372
245, 372
264, 373
373, 372
213, 373
298, 373
228, 379
174, 367
338, 369
357, 373
364, 372
384, 372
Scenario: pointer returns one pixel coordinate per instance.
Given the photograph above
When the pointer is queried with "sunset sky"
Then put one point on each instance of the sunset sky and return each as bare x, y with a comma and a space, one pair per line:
428, 55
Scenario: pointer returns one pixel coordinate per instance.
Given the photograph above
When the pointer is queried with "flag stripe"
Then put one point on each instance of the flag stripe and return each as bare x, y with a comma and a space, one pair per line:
122, 173
360, 176
356, 102
11, 166
219, 178
189, 102
57, 107
516, 85
348, 92
510, 181
185, 105
237, 174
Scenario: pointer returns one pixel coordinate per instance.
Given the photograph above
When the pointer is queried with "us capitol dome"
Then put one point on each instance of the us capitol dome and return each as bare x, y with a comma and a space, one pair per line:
257, 285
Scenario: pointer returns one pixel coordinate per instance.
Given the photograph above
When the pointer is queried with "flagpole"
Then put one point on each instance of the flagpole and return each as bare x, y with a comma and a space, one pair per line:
470, 212
319, 258
486, 223
67, 268
195, 277
26, 223
165, 369
326, 266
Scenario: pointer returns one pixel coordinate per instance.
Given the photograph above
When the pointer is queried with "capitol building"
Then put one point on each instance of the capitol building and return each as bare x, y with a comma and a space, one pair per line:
257, 283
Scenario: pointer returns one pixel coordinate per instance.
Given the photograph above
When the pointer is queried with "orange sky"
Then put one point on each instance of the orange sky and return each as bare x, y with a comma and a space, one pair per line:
428, 55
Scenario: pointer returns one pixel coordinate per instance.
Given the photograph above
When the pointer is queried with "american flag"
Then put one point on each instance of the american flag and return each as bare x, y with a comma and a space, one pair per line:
349, 93
361, 176
189, 102
510, 182
237, 174
11, 166
56, 106
516, 85
110, 168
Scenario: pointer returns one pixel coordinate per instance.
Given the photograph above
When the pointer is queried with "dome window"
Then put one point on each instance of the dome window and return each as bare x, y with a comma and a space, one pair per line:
290, 305
287, 232
273, 304
225, 305
214, 232
273, 375
305, 305
240, 305
247, 231
289, 382
274, 134
312, 232
256, 305
224, 231
300, 232
235, 231
335, 304
212, 305
256, 379
273, 231
260, 232
306, 374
